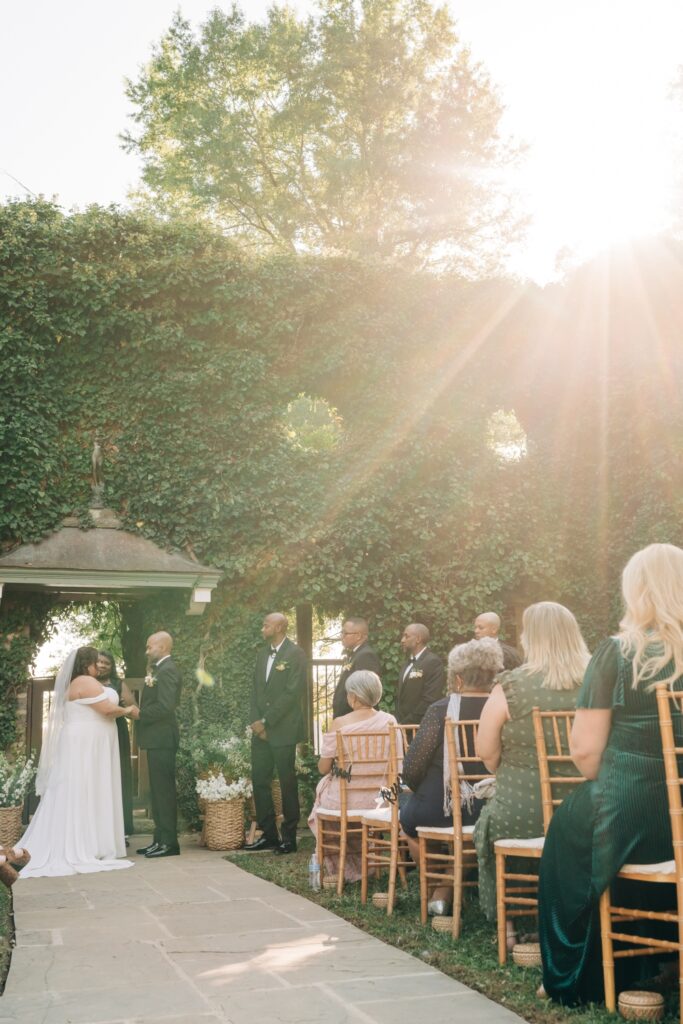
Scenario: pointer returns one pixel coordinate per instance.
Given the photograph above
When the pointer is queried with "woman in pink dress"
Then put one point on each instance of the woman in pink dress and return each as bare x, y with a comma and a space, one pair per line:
363, 692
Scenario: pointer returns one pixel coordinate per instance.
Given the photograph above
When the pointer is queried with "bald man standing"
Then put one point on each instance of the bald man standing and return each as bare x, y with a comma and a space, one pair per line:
488, 624
277, 725
422, 679
157, 733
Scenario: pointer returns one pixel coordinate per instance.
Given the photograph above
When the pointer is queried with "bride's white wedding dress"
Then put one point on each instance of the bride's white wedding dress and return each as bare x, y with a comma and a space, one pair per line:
78, 827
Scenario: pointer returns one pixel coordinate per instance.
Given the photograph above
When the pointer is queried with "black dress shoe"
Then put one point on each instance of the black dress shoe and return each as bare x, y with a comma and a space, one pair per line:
164, 850
262, 843
283, 848
148, 849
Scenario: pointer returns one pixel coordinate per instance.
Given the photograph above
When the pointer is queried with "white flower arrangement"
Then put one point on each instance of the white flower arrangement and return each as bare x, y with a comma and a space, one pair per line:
216, 787
16, 776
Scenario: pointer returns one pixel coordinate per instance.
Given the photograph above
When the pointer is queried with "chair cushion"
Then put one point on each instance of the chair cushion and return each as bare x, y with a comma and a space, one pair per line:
467, 830
521, 844
665, 867
380, 814
326, 812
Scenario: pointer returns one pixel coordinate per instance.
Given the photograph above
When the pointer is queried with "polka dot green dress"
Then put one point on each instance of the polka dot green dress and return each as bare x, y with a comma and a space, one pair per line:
515, 811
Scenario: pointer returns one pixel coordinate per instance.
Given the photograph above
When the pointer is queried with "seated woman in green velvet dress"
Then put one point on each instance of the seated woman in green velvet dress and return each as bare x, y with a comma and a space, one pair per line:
621, 814
555, 660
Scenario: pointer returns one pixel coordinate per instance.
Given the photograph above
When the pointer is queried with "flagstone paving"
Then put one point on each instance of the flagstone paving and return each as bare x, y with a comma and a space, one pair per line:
196, 940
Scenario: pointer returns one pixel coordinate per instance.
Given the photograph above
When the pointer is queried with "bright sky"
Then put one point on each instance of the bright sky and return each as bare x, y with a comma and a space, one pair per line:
586, 84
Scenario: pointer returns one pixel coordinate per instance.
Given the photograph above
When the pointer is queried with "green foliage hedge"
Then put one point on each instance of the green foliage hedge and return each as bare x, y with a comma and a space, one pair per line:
183, 355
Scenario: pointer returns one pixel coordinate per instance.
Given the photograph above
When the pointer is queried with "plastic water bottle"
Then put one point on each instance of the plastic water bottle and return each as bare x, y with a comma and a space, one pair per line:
314, 873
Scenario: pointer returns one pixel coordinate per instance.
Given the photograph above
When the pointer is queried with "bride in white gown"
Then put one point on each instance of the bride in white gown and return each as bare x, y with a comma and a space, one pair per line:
78, 827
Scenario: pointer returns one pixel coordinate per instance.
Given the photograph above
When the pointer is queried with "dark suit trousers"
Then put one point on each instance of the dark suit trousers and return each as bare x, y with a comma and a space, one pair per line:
264, 760
161, 765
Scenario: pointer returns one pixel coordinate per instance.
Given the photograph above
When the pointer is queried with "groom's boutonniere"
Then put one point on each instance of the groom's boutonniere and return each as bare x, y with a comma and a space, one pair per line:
416, 673
281, 667
150, 680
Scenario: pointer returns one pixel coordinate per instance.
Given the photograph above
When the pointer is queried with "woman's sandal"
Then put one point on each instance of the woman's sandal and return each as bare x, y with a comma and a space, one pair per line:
8, 874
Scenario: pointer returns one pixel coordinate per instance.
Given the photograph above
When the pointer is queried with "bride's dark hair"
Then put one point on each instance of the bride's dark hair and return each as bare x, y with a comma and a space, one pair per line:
84, 656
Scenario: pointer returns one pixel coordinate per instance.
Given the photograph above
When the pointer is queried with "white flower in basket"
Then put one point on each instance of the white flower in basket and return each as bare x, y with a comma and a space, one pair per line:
16, 777
216, 787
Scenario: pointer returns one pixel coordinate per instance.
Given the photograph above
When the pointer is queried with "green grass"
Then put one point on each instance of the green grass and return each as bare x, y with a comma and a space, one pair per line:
6, 933
473, 960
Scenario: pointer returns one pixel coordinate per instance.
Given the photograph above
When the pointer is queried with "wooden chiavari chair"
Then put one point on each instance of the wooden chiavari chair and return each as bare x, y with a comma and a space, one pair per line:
364, 756
612, 918
552, 732
382, 846
448, 867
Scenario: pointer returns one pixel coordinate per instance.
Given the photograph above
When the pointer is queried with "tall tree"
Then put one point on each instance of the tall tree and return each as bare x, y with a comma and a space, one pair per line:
368, 129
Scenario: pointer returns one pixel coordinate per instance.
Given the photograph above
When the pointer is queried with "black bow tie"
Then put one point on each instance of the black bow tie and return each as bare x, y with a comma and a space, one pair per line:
413, 658
273, 652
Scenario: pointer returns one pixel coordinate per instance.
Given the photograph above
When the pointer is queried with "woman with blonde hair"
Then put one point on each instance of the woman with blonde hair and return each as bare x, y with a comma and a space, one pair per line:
555, 661
620, 815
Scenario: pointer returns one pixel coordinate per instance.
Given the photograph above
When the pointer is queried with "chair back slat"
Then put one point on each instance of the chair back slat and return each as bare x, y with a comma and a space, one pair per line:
557, 771
669, 701
464, 765
408, 731
371, 759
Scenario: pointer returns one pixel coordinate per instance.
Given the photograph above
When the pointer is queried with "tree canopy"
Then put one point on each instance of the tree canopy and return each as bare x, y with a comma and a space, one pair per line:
367, 130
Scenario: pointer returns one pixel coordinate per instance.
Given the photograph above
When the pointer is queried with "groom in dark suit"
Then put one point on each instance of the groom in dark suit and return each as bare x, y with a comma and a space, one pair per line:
277, 725
157, 733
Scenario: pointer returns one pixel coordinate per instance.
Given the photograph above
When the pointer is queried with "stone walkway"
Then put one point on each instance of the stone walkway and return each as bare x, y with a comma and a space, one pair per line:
196, 940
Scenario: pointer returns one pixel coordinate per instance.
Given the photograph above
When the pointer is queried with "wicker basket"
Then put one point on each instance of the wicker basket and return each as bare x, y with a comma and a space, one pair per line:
380, 900
330, 882
442, 923
276, 793
527, 954
11, 828
641, 1005
224, 824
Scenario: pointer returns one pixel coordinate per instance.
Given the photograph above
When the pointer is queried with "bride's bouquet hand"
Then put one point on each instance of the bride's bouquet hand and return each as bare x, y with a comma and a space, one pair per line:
132, 711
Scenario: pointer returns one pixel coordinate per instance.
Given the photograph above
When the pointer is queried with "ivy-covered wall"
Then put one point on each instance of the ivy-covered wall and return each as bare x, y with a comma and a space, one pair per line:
182, 356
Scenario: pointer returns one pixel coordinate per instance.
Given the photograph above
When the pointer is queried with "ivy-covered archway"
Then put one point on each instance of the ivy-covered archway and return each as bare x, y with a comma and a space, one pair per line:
184, 357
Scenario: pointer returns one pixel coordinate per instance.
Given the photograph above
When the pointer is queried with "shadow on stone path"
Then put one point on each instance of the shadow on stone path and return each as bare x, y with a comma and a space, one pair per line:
196, 940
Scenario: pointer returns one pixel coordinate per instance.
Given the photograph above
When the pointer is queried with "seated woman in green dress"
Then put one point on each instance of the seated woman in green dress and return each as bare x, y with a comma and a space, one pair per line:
555, 660
621, 814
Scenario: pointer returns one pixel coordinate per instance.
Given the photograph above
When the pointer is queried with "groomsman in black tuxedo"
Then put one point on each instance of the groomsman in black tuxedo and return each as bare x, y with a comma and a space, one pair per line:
357, 654
277, 724
157, 733
422, 679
